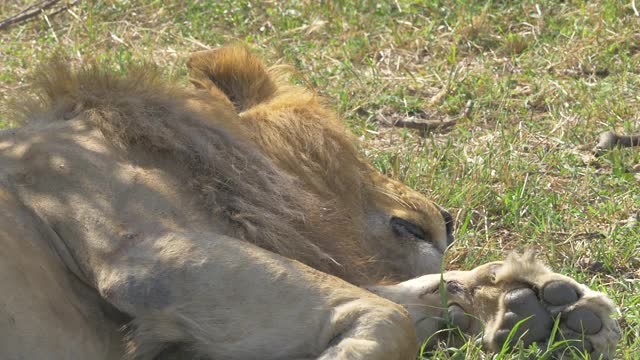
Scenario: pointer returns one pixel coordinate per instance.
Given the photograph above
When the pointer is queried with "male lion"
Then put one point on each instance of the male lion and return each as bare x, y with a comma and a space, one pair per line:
235, 221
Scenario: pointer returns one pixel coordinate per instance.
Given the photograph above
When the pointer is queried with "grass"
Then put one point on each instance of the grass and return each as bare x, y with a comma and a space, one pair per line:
545, 77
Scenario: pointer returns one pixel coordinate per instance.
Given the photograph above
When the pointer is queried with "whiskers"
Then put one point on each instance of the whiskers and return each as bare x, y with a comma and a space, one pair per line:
396, 197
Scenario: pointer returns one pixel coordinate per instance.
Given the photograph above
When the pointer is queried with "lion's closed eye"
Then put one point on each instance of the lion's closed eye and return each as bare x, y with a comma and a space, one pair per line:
405, 228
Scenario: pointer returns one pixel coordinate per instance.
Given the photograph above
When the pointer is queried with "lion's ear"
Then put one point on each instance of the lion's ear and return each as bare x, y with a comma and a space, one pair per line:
235, 71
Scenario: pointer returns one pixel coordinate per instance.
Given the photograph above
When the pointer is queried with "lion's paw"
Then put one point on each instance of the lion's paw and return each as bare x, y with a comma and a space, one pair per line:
518, 300
529, 297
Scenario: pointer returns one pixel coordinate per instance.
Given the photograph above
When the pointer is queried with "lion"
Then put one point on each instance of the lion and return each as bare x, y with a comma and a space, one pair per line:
236, 219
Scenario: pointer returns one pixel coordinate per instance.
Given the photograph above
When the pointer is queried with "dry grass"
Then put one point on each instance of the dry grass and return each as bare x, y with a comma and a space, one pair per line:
545, 78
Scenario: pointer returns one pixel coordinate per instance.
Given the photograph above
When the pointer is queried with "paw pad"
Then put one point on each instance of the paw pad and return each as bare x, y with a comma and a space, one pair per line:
523, 303
559, 293
580, 325
583, 320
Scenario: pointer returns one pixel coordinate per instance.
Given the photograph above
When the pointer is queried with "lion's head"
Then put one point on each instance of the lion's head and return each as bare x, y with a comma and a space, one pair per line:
396, 232
266, 156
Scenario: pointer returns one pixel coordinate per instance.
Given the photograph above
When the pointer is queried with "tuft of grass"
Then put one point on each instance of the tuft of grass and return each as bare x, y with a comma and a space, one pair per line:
545, 77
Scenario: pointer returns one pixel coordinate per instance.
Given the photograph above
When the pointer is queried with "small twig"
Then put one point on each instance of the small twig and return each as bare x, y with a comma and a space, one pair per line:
46, 18
28, 13
118, 40
424, 125
439, 97
467, 109
609, 140
33, 11
633, 6
65, 8
198, 43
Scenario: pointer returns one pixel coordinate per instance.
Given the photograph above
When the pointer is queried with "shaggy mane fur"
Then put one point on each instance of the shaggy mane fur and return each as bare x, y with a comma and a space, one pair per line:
298, 200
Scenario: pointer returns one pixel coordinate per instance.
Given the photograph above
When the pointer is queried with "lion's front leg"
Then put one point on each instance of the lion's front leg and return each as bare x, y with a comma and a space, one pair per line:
216, 297
519, 292
429, 309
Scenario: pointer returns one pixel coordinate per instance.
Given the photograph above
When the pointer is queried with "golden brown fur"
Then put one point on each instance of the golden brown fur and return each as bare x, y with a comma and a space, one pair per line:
309, 207
268, 205
234, 73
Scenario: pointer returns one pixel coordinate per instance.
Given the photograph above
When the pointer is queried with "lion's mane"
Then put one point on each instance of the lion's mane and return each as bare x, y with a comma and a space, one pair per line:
293, 198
